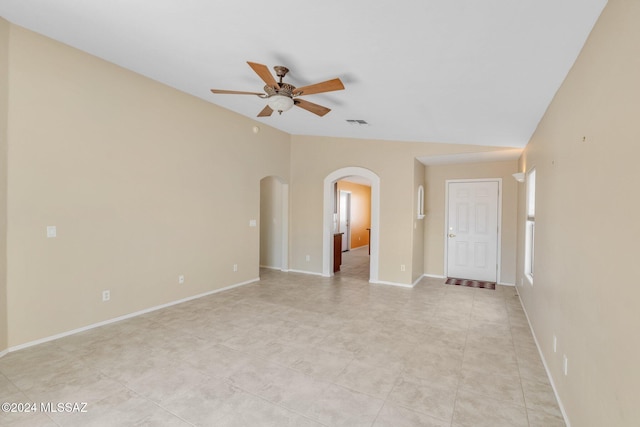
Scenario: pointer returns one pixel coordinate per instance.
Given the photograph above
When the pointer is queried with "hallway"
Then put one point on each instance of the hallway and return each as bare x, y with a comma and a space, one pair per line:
355, 264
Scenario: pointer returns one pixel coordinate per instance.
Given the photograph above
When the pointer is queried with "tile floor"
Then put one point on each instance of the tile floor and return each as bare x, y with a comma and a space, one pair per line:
298, 350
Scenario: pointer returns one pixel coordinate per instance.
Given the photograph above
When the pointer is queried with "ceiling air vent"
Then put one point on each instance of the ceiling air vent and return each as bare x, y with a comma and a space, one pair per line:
357, 122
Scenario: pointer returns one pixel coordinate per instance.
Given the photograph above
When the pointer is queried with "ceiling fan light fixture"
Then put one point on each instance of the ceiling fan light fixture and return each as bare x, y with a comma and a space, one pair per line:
280, 103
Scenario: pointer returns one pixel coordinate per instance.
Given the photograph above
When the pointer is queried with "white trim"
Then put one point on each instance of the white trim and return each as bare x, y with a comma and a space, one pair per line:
446, 223
347, 236
313, 273
434, 276
327, 231
270, 267
382, 282
420, 202
544, 363
3, 353
124, 317
285, 228
506, 284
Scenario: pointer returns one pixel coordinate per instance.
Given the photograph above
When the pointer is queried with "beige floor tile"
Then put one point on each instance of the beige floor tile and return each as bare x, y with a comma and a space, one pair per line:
206, 403
217, 361
396, 416
539, 396
344, 342
321, 363
83, 387
425, 397
491, 361
442, 376
166, 382
477, 410
253, 411
22, 419
500, 387
371, 380
126, 408
338, 406
293, 390
279, 352
7, 389
543, 419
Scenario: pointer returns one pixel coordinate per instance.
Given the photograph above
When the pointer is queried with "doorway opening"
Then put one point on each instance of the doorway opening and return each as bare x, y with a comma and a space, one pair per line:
331, 219
274, 223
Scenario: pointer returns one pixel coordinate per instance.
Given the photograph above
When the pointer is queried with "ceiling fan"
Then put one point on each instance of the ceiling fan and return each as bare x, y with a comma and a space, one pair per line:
282, 96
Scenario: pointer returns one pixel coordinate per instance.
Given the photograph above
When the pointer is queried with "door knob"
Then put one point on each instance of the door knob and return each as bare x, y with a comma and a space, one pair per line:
452, 235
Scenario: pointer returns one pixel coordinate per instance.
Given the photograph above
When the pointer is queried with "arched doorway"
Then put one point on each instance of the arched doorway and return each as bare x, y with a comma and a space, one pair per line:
327, 231
274, 223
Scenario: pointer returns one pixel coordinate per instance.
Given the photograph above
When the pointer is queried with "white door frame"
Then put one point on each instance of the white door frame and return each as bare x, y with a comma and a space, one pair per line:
327, 228
346, 240
446, 223
285, 227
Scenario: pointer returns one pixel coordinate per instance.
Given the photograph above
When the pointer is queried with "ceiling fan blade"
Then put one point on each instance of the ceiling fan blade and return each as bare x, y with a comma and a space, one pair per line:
310, 106
266, 112
328, 86
235, 92
265, 74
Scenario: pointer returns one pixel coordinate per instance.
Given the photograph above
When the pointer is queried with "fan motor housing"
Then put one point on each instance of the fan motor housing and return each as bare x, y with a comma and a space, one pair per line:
285, 90
281, 71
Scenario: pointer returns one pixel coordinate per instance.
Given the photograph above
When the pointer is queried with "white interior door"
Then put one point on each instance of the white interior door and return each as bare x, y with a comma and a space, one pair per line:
345, 219
472, 230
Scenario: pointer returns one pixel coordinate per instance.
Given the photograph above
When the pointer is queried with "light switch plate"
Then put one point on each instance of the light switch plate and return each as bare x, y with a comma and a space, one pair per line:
253, 223
51, 231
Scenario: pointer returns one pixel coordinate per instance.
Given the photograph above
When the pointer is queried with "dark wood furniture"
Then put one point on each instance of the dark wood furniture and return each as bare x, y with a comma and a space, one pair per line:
337, 251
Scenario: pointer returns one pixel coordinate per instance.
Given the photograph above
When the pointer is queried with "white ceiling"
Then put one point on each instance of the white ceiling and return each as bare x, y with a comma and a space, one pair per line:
456, 71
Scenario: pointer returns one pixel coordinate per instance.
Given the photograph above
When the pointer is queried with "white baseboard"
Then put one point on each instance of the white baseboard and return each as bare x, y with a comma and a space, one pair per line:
546, 368
313, 273
284, 270
506, 284
417, 280
382, 282
124, 317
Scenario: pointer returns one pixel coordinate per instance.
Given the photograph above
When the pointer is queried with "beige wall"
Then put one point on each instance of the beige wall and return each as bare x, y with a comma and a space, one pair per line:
271, 222
435, 189
4, 112
144, 183
586, 289
314, 158
418, 237
360, 212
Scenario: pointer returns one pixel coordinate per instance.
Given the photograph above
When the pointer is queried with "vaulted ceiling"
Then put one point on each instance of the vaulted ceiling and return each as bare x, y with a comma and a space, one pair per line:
458, 71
